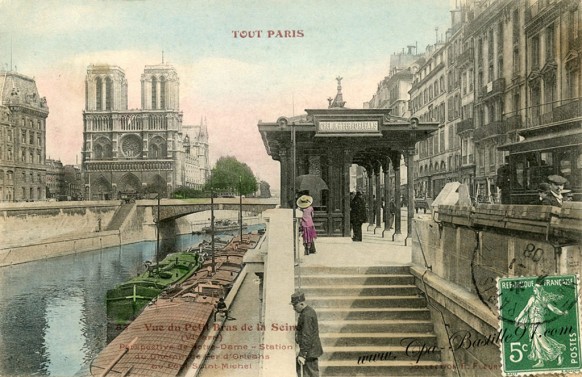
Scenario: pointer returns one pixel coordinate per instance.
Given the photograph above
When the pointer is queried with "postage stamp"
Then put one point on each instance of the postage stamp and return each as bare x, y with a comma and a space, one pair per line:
539, 320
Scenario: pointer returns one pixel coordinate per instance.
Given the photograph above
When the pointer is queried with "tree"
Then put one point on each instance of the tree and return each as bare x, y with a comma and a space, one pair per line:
229, 173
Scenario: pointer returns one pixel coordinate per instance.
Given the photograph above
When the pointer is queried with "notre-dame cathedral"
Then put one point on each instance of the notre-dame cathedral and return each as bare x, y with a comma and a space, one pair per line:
139, 151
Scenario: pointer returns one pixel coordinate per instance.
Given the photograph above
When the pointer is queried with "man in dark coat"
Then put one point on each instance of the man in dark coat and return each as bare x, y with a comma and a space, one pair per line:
543, 192
307, 336
554, 198
357, 215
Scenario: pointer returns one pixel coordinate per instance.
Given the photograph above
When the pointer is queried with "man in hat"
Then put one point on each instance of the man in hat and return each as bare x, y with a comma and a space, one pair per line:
554, 198
307, 336
543, 192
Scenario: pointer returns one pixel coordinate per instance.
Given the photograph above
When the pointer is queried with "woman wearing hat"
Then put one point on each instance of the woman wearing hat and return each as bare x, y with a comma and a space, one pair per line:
309, 235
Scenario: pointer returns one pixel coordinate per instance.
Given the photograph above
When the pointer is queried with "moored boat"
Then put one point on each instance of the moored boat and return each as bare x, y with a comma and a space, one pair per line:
127, 300
223, 225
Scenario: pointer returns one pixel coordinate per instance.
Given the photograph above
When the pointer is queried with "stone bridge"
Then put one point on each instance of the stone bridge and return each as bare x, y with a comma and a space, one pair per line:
171, 209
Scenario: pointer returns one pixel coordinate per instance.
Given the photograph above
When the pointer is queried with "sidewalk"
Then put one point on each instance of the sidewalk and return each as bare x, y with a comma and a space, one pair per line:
236, 351
372, 251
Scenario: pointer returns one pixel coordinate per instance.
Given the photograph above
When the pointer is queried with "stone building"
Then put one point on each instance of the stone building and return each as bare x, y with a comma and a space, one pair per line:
23, 116
507, 70
428, 96
55, 176
196, 159
392, 93
138, 151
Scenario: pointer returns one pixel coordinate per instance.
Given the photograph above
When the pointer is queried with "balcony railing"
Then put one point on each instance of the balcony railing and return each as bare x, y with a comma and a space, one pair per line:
489, 130
465, 125
560, 111
466, 57
513, 122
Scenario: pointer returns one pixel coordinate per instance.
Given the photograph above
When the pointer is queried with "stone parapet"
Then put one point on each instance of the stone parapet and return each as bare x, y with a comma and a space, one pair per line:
457, 259
279, 283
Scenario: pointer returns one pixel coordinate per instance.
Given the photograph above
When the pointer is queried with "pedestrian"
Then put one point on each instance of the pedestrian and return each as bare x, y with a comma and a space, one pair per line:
554, 198
307, 337
306, 223
221, 307
357, 215
392, 213
543, 192
503, 181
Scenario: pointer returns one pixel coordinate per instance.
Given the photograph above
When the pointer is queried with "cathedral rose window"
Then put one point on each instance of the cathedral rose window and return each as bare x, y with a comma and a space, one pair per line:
131, 146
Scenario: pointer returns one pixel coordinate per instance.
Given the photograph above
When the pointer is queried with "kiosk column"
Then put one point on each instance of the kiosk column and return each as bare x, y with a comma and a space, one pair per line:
410, 196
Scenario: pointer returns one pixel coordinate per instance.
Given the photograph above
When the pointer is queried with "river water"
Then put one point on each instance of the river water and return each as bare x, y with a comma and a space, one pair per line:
52, 312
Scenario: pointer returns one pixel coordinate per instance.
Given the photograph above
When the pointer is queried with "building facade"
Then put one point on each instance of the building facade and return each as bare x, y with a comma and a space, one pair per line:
428, 99
55, 179
506, 71
137, 151
23, 116
196, 160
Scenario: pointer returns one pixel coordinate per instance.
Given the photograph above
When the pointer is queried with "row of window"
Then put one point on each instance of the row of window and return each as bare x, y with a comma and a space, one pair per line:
32, 156
32, 193
30, 177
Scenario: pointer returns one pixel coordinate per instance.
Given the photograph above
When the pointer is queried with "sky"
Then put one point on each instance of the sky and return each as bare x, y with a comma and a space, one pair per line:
232, 82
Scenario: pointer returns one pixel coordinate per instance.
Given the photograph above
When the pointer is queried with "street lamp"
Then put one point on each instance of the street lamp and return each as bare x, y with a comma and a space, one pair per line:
212, 223
240, 214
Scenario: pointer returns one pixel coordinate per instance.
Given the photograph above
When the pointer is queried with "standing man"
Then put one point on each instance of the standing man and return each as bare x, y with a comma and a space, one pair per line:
357, 215
503, 181
554, 198
391, 213
307, 337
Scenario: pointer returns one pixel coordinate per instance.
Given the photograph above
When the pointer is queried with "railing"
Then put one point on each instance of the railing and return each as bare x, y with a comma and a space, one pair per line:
465, 125
536, 8
492, 129
513, 122
493, 88
466, 57
562, 110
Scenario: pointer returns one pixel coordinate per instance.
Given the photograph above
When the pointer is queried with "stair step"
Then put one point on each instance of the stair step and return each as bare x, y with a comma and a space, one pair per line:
366, 354
349, 279
376, 289
374, 339
366, 301
363, 326
372, 313
355, 270
381, 368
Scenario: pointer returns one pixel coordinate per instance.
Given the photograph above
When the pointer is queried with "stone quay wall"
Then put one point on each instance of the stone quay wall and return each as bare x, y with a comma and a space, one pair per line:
457, 254
34, 231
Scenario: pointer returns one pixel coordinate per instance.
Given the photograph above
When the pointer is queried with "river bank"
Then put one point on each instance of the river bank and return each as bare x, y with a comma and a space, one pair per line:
65, 228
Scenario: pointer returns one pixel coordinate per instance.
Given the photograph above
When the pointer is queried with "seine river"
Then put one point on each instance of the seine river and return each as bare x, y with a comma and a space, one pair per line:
52, 312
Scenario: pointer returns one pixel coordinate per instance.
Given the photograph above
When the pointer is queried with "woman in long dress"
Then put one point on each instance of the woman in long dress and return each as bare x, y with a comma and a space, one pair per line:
543, 348
309, 234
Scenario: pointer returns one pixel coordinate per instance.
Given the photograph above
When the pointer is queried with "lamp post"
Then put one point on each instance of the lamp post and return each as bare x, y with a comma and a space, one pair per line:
240, 214
294, 194
212, 223
158, 234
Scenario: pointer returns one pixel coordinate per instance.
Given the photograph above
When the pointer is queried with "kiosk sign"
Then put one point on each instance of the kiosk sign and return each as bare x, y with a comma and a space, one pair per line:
348, 128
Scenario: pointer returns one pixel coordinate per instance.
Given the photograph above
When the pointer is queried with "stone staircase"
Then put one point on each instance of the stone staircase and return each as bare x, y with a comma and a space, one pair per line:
367, 316
119, 216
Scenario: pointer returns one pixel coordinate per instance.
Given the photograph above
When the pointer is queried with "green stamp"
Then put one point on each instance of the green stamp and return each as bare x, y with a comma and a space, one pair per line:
539, 324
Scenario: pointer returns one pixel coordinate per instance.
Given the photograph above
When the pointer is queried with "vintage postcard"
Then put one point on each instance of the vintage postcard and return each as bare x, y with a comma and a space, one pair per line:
290, 188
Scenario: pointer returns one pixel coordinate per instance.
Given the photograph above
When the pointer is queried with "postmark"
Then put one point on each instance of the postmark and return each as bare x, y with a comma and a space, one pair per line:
543, 315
